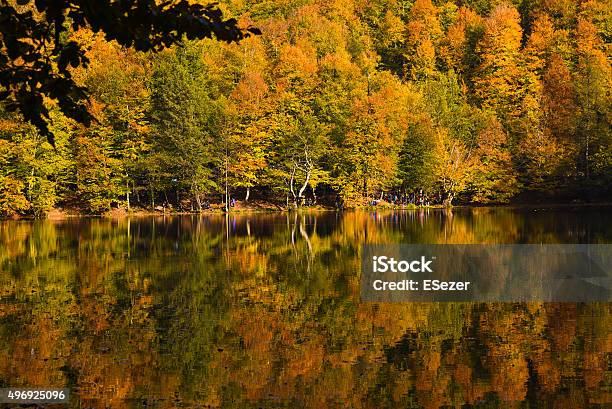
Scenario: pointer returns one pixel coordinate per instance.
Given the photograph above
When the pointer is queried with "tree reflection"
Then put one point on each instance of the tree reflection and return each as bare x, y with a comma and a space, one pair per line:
264, 311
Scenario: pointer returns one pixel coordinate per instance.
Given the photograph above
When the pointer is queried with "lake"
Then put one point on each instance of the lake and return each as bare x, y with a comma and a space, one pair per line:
263, 310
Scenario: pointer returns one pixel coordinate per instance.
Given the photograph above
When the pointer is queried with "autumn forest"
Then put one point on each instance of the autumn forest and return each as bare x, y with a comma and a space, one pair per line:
336, 102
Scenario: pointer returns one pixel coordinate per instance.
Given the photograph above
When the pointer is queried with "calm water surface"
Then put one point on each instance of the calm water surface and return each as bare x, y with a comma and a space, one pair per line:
264, 311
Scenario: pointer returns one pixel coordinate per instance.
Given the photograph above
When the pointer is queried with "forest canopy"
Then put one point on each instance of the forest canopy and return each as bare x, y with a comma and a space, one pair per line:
346, 101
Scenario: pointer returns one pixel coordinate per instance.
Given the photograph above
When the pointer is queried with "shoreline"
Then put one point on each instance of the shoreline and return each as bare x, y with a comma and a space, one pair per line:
115, 214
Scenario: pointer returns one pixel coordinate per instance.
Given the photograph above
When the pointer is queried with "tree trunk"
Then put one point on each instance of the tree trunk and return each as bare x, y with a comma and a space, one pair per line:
248, 193
365, 188
291, 187
314, 195
303, 188
448, 202
196, 196
127, 193
588, 126
226, 188
136, 193
29, 192
587, 155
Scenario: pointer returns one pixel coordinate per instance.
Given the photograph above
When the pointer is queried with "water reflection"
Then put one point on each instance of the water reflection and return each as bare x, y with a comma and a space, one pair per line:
264, 311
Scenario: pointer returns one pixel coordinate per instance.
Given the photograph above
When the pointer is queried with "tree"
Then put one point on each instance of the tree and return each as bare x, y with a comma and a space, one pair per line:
375, 133
35, 58
559, 99
247, 155
539, 153
494, 178
454, 165
99, 178
593, 82
12, 200
417, 158
187, 120
40, 173
117, 80
540, 44
250, 107
457, 48
300, 149
424, 32
497, 85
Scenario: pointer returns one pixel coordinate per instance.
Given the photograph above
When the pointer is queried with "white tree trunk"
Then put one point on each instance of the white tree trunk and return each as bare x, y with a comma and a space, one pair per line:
291, 186
304, 186
198, 200
127, 193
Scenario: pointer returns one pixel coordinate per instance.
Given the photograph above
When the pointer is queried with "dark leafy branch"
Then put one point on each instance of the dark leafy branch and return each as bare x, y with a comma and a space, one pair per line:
35, 58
